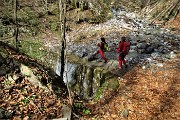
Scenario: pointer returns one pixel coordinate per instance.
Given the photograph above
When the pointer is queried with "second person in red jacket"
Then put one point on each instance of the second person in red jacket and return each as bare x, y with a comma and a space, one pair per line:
123, 50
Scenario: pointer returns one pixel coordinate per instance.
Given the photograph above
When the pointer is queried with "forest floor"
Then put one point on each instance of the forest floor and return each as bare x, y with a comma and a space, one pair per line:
143, 94
174, 24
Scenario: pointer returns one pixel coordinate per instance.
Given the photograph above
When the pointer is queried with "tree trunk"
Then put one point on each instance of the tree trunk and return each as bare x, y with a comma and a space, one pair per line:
46, 6
62, 10
16, 26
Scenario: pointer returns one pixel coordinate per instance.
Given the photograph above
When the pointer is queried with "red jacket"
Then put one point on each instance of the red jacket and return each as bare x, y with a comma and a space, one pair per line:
101, 45
123, 46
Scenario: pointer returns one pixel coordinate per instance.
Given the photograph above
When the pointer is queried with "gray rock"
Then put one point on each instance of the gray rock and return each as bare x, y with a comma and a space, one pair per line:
155, 55
149, 50
155, 45
1, 60
142, 45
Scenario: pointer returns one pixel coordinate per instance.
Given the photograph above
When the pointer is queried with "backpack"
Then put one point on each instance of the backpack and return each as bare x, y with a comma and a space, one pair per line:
106, 47
128, 47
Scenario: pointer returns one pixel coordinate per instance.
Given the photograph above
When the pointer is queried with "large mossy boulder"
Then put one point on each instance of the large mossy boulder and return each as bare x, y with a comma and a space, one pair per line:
90, 78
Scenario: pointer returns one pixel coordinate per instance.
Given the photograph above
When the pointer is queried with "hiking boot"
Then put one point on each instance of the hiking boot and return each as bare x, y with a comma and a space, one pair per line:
105, 61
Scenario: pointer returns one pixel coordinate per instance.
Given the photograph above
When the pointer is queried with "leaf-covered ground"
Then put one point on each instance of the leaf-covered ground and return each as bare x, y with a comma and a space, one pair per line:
174, 24
26, 101
143, 94
19, 99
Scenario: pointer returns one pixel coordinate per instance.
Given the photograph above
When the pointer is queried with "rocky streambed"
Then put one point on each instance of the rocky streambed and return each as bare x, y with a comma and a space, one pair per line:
147, 40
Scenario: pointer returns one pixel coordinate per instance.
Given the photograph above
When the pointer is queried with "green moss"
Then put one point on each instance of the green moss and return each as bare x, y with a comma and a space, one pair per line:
107, 82
113, 83
98, 94
54, 26
34, 49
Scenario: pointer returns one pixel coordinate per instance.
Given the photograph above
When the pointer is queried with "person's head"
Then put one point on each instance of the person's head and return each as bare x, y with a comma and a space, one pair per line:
102, 39
123, 39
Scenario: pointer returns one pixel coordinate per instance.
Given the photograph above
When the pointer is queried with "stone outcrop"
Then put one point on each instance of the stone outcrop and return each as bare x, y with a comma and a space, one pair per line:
86, 78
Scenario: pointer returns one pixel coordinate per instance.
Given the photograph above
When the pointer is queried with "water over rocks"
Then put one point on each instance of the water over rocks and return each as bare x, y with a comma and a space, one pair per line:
147, 40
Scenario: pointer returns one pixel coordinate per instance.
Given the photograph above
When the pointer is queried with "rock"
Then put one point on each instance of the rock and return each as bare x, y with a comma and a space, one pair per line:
81, 53
143, 67
142, 45
155, 45
27, 72
159, 64
66, 112
69, 74
4, 114
172, 54
155, 55
91, 57
141, 51
60, 119
124, 113
1, 60
149, 50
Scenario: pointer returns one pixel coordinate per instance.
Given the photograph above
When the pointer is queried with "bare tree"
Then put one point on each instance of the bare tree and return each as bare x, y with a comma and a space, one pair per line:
62, 10
16, 25
62, 17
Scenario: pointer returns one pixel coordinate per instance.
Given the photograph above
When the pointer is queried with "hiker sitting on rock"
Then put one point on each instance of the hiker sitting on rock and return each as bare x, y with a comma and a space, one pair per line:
123, 50
102, 49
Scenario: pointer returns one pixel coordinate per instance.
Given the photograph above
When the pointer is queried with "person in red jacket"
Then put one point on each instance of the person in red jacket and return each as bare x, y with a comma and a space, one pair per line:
102, 49
123, 50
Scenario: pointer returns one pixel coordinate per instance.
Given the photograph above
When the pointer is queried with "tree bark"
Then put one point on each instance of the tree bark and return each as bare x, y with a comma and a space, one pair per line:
16, 26
62, 10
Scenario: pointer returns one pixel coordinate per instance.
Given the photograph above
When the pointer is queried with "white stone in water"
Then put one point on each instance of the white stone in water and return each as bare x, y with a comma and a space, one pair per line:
159, 64
172, 54
149, 59
143, 67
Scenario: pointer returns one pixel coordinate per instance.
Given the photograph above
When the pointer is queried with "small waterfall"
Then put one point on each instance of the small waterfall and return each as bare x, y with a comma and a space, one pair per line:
84, 79
69, 74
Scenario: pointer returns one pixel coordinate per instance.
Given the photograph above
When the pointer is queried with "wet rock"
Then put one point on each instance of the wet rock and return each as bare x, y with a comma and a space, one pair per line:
149, 50
142, 45
69, 74
155, 45
81, 53
155, 55
91, 57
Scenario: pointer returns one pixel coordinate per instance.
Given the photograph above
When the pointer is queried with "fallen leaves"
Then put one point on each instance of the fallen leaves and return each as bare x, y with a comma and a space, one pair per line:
28, 102
143, 94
